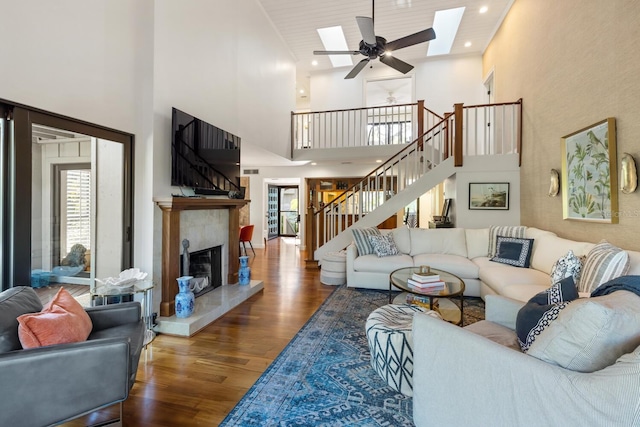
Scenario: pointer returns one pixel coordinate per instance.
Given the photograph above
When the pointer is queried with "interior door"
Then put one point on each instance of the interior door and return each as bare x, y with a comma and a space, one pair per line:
272, 211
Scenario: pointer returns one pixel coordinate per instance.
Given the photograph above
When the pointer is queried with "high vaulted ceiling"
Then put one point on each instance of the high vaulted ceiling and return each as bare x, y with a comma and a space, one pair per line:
298, 21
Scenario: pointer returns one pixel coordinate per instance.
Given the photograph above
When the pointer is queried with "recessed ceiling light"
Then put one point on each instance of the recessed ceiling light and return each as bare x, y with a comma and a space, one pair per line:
467, 44
301, 90
333, 39
378, 161
313, 163
484, 9
445, 24
314, 62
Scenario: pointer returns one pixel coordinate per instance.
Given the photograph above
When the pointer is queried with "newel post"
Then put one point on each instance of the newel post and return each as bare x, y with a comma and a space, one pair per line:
420, 122
457, 137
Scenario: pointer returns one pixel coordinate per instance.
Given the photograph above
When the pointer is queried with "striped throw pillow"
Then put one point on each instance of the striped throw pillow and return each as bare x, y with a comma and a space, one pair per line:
516, 231
603, 263
361, 239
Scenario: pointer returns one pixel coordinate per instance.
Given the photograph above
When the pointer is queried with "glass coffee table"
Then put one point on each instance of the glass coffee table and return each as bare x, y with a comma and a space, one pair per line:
453, 290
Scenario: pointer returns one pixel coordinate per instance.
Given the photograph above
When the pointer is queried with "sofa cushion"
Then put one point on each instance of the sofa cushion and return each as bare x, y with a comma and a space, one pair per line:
503, 230
449, 241
402, 237
371, 263
361, 239
513, 251
603, 263
541, 310
477, 242
62, 320
549, 248
383, 245
501, 276
567, 266
454, 264
496, 333
634, 262
591, 333
13, 303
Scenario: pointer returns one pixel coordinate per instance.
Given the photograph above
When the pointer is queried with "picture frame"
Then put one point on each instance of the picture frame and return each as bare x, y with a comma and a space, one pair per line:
589, 175
489, 196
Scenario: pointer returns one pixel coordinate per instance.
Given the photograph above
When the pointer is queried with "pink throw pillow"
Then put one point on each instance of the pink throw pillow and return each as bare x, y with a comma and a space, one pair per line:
62, 320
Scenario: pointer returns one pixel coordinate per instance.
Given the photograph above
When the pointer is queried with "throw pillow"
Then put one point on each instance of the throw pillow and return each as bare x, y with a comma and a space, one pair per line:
513, 251
384, 245
603, 263
506, 231
591, 333
568, 265
62, 320
361, 239
541, 310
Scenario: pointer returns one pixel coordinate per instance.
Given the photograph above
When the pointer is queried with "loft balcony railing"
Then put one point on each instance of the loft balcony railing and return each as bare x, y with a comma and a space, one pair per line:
467, 131
360, 127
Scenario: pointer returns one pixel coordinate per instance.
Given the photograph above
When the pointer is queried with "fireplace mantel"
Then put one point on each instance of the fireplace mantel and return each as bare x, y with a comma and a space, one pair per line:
171, 208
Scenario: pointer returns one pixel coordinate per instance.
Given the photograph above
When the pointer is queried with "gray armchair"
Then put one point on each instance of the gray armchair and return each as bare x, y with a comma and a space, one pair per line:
50, 385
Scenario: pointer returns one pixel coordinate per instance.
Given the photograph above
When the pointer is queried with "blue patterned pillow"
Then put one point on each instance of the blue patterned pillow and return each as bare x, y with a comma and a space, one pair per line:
513, 251
384, 245
568, 265
361, 239
542, 309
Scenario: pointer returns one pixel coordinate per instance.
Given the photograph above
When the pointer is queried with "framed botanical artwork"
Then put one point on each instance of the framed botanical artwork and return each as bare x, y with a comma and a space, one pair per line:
589, 176
489, 195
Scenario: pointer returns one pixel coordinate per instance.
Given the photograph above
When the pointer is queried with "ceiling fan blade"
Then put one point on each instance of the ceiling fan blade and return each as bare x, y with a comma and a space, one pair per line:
419, 37
396, 63
336, 52
366, 29
359, 66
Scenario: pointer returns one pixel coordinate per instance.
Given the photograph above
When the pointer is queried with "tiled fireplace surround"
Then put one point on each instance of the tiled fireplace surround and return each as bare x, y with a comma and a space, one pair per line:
205, 222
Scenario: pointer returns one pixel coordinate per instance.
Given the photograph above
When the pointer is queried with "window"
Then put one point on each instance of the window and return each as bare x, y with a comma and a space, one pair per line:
75, 203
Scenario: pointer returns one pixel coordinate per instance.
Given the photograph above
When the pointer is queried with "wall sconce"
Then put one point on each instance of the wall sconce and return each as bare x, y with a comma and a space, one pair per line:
554, 186
628, 174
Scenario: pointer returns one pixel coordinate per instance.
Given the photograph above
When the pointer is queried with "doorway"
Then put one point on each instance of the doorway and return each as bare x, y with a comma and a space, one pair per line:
288, 214
67, 194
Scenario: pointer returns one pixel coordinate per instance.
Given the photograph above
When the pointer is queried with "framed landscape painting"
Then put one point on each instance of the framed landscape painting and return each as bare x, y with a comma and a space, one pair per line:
589, 176
489, 195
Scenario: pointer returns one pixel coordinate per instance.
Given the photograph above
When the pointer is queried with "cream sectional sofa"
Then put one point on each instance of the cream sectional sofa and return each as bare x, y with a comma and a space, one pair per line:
464, 252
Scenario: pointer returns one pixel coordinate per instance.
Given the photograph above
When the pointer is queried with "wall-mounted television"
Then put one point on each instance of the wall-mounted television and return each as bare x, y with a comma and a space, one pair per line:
203, 156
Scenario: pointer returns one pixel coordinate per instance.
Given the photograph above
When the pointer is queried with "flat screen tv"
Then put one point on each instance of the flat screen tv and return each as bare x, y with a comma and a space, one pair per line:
203, 156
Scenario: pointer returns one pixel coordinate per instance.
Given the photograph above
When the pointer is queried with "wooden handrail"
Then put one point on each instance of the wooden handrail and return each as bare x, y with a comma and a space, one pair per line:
499, 104
356, 109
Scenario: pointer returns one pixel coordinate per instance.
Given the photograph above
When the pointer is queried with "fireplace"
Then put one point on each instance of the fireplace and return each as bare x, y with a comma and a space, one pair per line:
204, 265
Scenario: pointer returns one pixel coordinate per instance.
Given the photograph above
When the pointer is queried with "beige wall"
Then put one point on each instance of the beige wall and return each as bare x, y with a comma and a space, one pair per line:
574, 63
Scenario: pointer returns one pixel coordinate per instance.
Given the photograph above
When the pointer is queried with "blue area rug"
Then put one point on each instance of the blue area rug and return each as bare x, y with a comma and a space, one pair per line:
324, 377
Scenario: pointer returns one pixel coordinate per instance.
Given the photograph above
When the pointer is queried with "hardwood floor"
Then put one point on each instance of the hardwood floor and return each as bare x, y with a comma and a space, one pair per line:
197, 381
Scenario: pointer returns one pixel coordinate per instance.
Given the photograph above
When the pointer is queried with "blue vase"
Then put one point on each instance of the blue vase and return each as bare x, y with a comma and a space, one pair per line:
185, 299
244, 273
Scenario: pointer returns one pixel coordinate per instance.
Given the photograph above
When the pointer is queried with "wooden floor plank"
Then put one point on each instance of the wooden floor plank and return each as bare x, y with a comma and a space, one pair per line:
197, 381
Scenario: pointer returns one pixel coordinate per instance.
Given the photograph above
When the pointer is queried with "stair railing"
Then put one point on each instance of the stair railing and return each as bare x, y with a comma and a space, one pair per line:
360, 127
468, 130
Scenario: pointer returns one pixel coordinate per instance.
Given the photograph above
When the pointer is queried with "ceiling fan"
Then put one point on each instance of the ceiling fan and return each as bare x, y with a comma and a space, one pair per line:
373, 46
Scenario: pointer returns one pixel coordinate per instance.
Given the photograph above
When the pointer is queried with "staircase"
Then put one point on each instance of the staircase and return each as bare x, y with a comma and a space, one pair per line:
417, 167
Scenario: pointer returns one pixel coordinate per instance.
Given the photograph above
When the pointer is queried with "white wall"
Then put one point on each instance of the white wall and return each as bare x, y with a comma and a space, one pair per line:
440, 82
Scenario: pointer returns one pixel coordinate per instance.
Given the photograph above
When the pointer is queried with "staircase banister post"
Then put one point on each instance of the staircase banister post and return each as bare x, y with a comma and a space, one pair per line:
420, 121
293, 135
457, 142
519, 136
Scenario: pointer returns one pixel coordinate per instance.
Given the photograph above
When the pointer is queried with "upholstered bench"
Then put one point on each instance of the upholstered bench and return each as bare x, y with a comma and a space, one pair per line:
391, 344
334, 268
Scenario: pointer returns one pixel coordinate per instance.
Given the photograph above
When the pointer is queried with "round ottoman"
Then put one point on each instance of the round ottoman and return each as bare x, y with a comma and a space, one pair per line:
333, 270
391, 344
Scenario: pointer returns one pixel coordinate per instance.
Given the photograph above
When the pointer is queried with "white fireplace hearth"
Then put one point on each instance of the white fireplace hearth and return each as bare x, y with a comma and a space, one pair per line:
209, 307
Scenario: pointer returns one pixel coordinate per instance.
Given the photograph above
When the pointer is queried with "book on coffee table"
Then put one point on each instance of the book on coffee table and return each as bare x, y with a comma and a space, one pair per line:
434, 285
425, 277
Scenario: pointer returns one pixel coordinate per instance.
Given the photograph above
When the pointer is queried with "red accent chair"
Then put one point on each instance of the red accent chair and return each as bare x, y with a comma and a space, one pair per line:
246, 233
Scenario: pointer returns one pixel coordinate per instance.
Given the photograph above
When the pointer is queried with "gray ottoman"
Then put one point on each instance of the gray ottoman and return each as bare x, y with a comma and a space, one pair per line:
391, 344
333, 270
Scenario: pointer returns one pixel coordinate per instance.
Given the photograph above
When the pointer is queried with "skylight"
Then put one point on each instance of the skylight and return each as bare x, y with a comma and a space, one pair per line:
333, 39
445, 24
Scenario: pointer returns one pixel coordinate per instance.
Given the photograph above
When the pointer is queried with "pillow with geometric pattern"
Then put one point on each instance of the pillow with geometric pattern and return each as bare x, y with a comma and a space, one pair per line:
384, 245
541, 310
604, 262
361, 239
